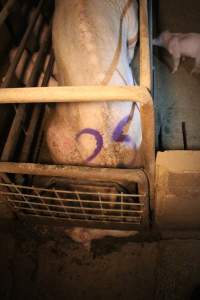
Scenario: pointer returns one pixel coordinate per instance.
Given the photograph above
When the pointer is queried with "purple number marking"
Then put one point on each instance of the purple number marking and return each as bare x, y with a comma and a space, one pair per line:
99, 141
118, 135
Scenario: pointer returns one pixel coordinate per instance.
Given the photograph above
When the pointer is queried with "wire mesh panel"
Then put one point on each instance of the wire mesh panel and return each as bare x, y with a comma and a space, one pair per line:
93, 202
75, 205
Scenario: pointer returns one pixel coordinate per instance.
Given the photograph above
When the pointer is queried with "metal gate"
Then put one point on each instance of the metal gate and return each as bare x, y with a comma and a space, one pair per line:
105, 197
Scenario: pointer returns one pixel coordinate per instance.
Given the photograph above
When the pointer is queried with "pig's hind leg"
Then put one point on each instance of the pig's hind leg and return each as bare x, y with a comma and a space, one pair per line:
175, 52
196, 69
176, 64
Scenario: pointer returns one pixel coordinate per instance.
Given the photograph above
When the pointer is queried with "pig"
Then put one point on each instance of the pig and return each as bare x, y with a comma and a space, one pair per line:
94, 43
85, 236
181, 45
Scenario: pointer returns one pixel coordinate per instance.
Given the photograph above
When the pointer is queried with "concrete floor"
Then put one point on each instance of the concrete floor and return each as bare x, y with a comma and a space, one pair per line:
177, 95
39, 264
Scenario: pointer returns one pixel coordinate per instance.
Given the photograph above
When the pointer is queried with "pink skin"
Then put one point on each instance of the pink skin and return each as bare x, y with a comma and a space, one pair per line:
181, 45
85, 236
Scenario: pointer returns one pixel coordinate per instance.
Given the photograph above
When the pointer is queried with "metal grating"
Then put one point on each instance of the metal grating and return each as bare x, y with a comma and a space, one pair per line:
74, 205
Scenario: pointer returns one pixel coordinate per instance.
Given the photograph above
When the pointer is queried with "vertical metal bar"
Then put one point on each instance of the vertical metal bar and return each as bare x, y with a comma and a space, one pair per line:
37, 108
81, 205
62, 205
43, 202
147, 112
121, 206
24, 197
101, 206
7, 9
145, 69
46, 78
22, 45
12, 139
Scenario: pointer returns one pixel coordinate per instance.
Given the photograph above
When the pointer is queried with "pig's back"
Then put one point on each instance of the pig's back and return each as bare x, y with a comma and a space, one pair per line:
85, 38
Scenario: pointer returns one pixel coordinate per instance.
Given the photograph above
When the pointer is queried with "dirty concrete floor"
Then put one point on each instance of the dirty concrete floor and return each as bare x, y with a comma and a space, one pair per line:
39, 264
177, 96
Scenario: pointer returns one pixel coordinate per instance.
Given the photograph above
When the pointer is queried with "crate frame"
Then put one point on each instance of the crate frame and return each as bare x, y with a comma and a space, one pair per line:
88, 94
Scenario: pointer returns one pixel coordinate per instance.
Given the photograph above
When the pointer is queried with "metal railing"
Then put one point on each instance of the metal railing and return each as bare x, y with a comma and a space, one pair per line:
88, 94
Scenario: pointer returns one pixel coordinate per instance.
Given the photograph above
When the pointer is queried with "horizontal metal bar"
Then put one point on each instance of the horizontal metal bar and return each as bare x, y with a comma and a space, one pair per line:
75, 172
74, 94
71, 200
78, 214
79, 207
104, 224
70, 192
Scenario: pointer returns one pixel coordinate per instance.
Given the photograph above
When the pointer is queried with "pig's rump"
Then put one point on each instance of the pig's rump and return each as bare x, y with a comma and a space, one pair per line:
91, 49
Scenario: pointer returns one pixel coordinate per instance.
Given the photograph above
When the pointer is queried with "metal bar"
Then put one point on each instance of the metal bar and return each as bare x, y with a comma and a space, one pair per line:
6, 10
81, 215
79, 208
121, 206
79, 192
74, 172
81, 205
24, 197
81, 223
101, 207
145, 65
75, 94
12, 138
21, 47
42, 202
49, 69
62, 204
96, 93
147, 111
47, 75
72, 200
37, 108
11, 142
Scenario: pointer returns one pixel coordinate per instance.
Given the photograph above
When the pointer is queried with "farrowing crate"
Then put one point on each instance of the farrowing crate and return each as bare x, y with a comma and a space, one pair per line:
104, 197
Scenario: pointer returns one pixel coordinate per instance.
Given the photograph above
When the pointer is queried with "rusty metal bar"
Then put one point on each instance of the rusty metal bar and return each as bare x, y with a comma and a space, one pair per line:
22, 45
61, 221
145, 64
96, 93
42, 202
69, 192
81, 205
24, 155
12, 139
6, 11
81, 215
66, 200
47, 75
62, 203
79, 208
73, 172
